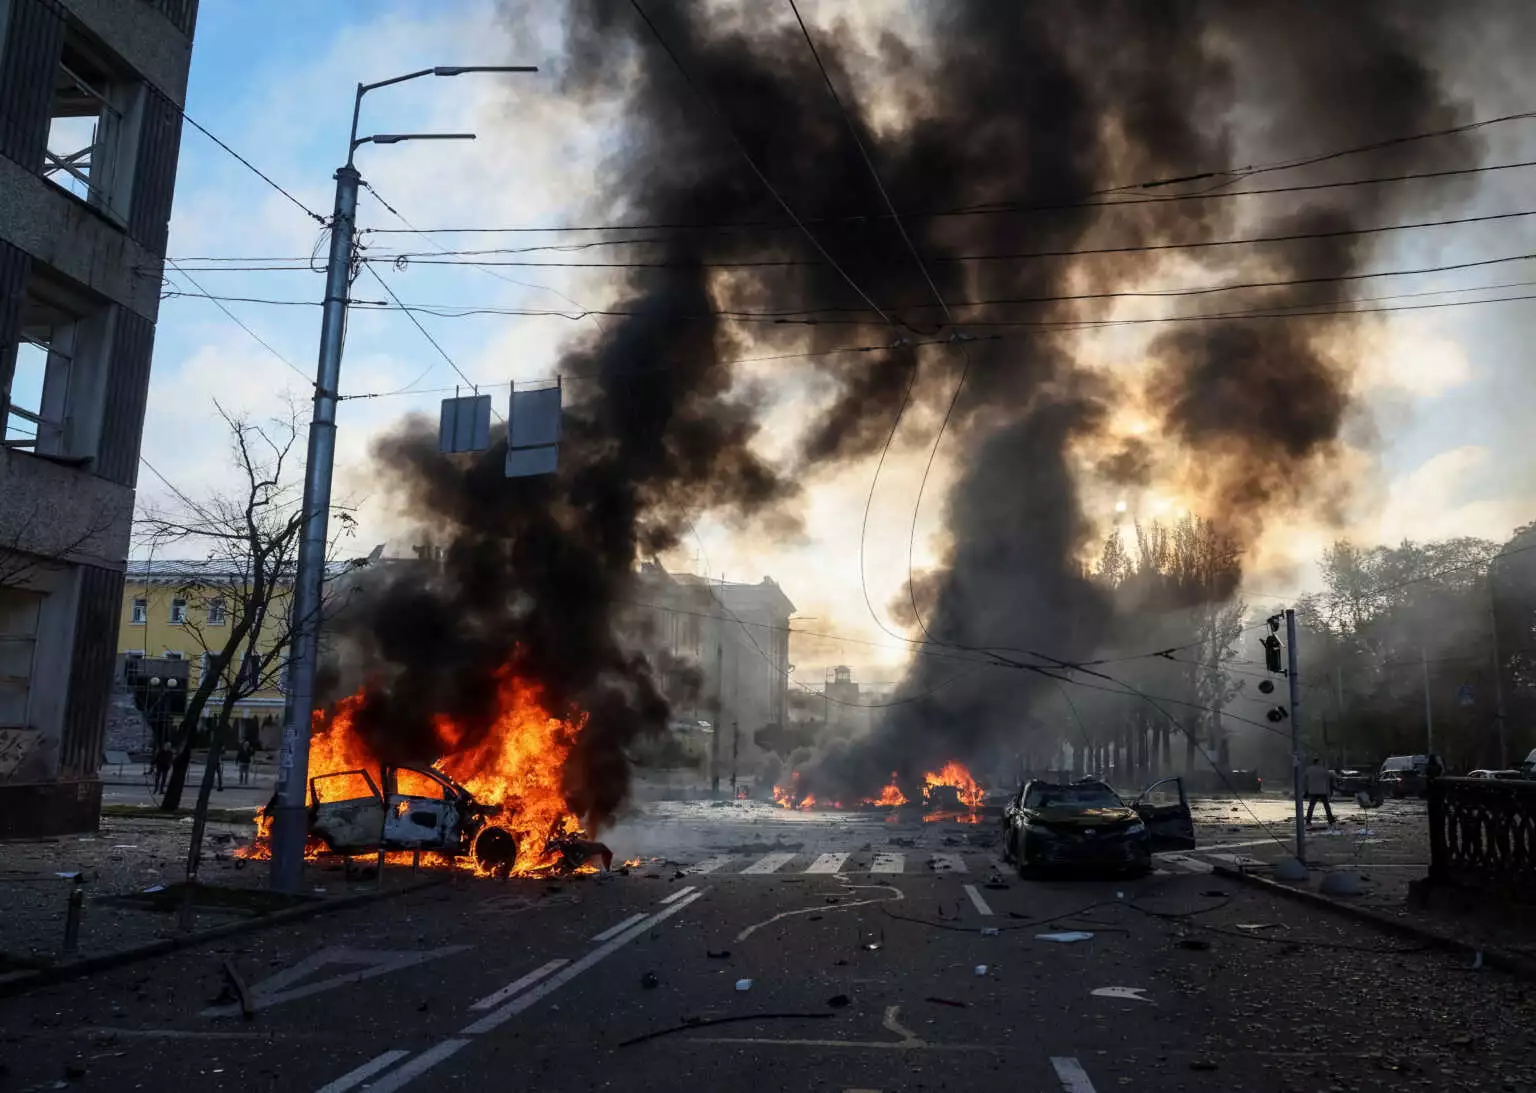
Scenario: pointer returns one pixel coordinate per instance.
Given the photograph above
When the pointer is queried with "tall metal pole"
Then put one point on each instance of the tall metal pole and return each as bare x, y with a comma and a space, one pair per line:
289, 822
1429, 711
1498, 674
1293, 675
714, 742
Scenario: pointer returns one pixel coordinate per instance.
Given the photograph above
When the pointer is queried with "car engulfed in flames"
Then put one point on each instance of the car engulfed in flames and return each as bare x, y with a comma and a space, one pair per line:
492, 802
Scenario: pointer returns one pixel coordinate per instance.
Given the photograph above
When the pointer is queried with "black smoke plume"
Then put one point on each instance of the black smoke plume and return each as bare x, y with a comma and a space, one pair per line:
996, 127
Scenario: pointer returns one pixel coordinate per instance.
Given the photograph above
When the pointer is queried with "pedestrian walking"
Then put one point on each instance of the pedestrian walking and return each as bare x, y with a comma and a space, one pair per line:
217, 759
1317, 782
164, 756
243, 756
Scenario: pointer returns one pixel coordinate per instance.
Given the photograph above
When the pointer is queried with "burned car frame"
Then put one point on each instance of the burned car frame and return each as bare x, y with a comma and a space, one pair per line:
350, 814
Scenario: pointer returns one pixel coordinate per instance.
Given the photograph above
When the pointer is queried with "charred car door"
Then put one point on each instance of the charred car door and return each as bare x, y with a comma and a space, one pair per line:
1164, 808
423, 812
346, 811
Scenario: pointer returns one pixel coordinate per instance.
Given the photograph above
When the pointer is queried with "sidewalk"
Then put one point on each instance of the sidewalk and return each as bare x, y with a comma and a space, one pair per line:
1386, 848
124, 872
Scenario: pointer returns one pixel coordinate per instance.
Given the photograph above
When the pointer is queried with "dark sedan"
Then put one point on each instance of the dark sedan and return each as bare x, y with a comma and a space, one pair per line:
1087, 824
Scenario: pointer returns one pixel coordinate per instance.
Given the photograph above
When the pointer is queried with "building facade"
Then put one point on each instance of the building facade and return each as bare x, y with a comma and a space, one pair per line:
90, 129
721, 649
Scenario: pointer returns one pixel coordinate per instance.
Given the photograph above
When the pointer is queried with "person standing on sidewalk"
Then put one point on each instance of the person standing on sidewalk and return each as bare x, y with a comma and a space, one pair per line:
243, 757
164, 756
1317, 782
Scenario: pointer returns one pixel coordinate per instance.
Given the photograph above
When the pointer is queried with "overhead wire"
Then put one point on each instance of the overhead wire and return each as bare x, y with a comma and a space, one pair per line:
991, 209
242, 325
258, 172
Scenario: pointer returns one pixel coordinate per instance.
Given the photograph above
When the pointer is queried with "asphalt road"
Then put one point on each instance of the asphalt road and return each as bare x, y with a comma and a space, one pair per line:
859, 980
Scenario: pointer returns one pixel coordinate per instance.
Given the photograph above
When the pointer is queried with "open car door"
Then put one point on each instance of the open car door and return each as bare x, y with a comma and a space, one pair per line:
1164, 808
346, 811
423, 812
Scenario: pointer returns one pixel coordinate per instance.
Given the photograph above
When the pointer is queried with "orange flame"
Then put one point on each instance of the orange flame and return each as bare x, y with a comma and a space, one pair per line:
789, 796
891, 796
515, 767
954, 774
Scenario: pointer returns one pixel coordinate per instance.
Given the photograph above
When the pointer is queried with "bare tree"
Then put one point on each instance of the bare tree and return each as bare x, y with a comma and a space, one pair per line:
239, 597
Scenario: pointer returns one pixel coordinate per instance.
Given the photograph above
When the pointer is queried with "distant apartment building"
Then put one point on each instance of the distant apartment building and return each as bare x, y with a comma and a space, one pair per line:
717, 644
90, 129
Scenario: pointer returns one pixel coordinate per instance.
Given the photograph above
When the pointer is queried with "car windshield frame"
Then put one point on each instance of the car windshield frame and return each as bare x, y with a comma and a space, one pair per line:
1072, 796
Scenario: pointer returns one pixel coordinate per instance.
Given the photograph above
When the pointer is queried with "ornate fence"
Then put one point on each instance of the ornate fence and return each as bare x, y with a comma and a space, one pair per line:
1482, 836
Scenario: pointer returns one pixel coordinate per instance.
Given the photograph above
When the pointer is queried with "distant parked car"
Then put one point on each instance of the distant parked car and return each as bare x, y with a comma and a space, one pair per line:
1500, 775
1349, 782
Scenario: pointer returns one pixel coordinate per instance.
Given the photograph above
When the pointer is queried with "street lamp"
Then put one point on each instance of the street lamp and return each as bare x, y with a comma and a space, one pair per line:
289, 824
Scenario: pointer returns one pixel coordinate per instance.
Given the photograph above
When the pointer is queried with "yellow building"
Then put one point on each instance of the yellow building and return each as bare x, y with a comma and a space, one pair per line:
183, 610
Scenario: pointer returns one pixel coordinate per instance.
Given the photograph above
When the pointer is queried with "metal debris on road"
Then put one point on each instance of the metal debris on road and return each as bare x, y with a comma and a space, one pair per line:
1066, 937
650, 980
723, 954
948, 1002
989, 931
1258, 926
1130, 994
691, 1023
743, 984
242, 992
981, 969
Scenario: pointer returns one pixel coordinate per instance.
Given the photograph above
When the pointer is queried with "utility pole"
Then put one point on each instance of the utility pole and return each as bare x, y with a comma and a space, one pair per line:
1498, 673
1338, 692
290, 820
714, 740
735, 751
1429, 712
290, 824
1294, 677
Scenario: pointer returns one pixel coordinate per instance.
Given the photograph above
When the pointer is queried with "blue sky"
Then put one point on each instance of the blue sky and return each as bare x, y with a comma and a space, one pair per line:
1444, 392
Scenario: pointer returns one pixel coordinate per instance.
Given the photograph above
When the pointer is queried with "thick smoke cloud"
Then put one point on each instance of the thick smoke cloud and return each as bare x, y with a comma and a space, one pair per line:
1036, 105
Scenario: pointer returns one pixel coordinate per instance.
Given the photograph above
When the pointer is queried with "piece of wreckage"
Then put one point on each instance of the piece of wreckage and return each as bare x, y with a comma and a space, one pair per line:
422, 810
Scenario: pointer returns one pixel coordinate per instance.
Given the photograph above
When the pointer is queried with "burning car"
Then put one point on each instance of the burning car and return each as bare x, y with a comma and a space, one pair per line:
418, 809
1087, 824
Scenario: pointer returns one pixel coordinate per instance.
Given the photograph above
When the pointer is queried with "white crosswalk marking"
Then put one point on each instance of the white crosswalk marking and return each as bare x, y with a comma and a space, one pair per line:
947, 863
708, 865
887, 861
828, 863
769, 863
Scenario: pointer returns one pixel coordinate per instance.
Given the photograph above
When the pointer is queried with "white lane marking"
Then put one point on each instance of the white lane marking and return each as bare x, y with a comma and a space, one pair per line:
679, 894
768, 863
618, 927
353, 1078
947, 863
828, 863
275, 989
418, 1066
498, 997
976, 900
1070, 1072
560, 979
888, 862
708, 865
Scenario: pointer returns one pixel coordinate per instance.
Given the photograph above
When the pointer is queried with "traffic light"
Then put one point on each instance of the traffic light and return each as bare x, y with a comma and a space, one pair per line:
1271, 653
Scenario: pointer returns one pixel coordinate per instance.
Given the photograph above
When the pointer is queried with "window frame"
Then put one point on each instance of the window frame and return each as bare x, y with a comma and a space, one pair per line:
217, 603
175, 617
137, 617
88, 72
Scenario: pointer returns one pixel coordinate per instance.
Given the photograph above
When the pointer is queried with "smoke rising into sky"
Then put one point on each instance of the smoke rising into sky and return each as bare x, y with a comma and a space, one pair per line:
998, 129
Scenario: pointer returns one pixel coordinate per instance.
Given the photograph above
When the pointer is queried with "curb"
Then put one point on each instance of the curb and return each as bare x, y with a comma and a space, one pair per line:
22, 982
1519, 966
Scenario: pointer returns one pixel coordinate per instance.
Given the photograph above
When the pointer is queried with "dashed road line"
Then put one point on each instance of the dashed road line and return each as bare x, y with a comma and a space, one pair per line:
679, 894
619, 927
418, 1066
1070, 1072
559, 979
708, 865
828, 863
354, 1078
497, 998
977, 901
768, 863
887, 862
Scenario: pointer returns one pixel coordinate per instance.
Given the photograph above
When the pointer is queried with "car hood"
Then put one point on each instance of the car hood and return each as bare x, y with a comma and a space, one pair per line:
1076, 816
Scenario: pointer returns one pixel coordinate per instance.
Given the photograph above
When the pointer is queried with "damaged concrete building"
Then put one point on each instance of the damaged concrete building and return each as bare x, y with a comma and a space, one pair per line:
91, 95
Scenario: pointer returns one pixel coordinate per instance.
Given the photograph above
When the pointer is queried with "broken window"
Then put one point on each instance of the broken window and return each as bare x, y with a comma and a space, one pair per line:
91, 125
178, 611
19, 611
50, 379
140, 612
